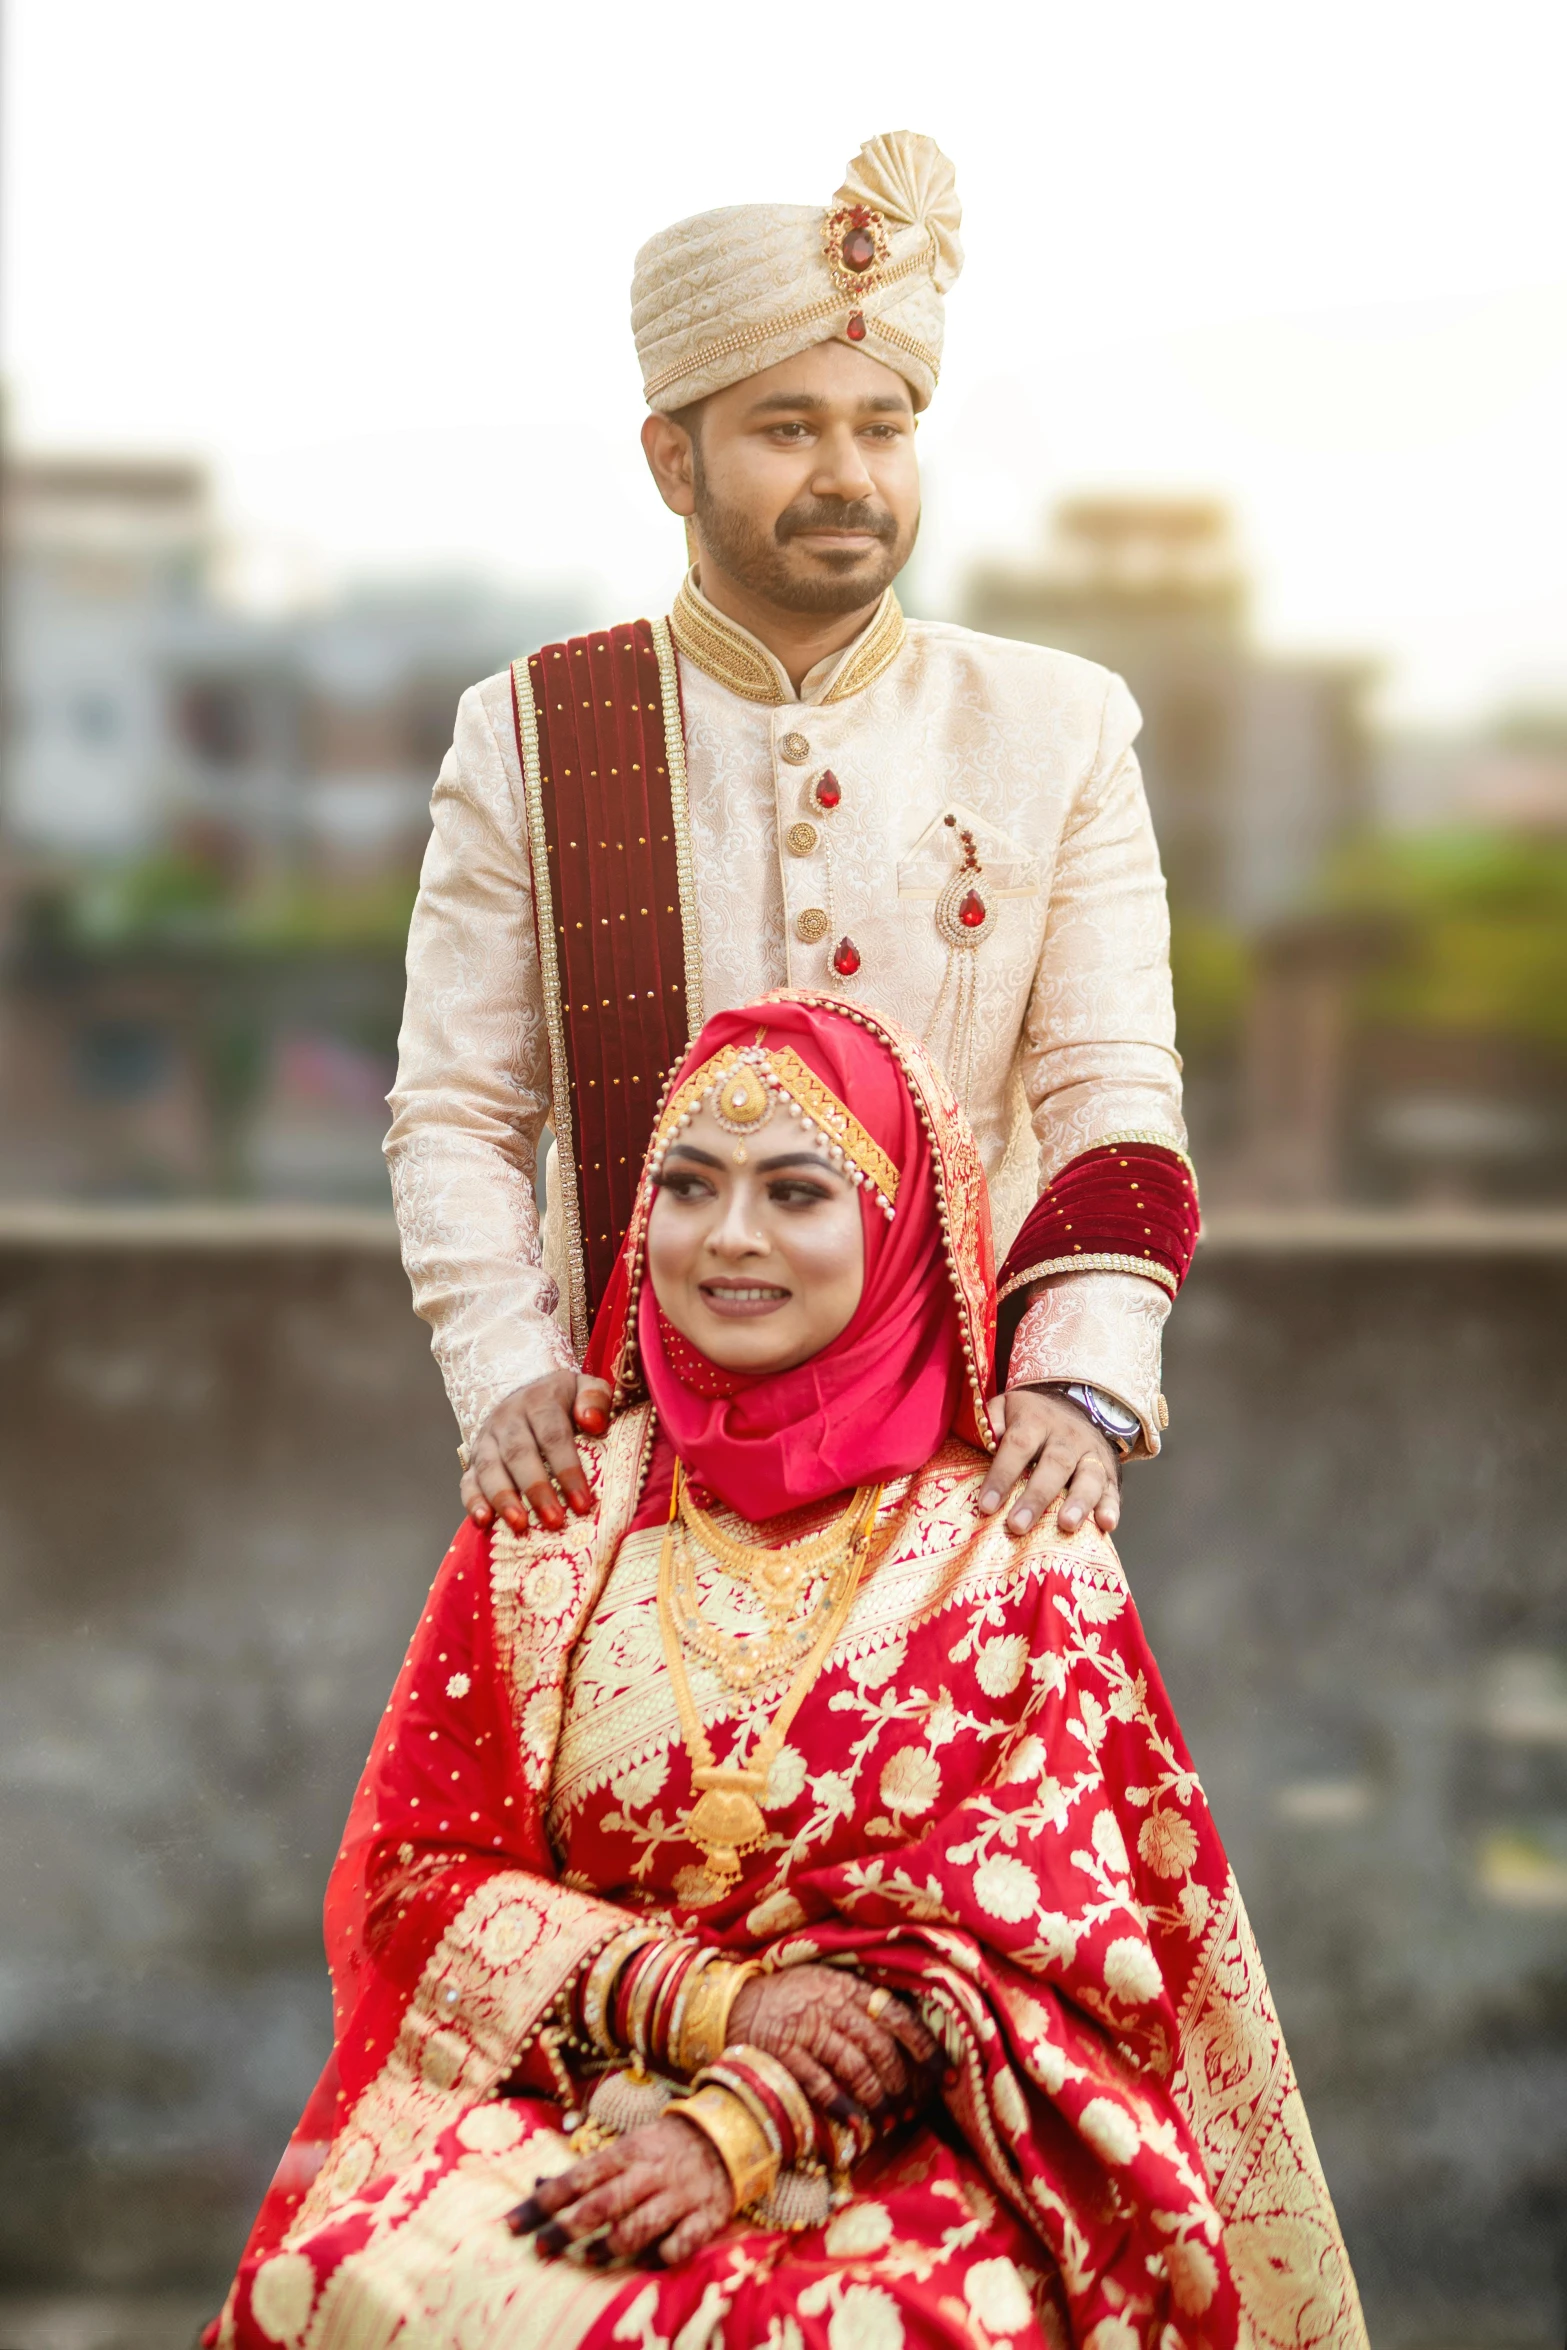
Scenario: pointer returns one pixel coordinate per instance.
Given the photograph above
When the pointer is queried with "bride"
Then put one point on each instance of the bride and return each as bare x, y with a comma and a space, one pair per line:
779, 1909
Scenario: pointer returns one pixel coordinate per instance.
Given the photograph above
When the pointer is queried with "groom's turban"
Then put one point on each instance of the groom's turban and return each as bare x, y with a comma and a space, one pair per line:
725, 294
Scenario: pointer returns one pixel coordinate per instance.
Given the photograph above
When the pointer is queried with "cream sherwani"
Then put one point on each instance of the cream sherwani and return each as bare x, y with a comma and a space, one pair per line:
1072, 1038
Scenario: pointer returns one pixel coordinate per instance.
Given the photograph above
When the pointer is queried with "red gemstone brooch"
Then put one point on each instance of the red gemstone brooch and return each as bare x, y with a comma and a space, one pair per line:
855, 241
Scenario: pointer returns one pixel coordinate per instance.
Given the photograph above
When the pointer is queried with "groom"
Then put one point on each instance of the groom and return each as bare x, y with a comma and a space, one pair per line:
787, 783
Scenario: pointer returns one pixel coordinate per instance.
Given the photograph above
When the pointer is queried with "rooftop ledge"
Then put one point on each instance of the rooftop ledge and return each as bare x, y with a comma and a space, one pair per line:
240, 1226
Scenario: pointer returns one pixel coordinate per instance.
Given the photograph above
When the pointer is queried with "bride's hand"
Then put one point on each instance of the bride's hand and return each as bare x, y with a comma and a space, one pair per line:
662, 2185
818, 2021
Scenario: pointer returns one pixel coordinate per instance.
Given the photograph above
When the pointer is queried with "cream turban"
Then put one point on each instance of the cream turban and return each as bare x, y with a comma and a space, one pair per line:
725, 294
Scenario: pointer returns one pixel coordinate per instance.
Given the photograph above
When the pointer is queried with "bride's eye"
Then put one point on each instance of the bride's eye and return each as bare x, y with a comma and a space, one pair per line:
797, 1191
686, 1186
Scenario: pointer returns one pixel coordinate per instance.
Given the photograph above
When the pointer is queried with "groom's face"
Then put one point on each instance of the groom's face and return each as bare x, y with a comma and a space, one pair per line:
802, 482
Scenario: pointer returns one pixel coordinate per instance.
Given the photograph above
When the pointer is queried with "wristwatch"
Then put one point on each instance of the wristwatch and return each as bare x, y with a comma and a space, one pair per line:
1109, 1415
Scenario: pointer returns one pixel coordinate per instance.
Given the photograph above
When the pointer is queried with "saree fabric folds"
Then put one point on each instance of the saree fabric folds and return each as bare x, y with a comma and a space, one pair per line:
983, 1802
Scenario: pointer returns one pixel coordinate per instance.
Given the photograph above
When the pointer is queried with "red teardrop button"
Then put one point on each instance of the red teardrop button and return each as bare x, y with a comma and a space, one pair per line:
971, 913
829, 791
846, 958
855, 330
858, 249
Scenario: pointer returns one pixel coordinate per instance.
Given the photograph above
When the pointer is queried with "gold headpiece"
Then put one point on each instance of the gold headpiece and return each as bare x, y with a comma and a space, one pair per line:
747, 1083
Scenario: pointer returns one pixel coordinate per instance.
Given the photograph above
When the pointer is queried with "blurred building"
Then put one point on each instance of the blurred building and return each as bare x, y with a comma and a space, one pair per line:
1256, 765
210, 829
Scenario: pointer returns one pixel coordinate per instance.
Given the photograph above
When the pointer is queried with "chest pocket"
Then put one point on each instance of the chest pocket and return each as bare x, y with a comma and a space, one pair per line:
1009, 869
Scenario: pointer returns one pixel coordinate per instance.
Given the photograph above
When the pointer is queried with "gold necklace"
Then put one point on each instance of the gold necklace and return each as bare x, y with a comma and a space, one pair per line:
776, 1576
726, 1821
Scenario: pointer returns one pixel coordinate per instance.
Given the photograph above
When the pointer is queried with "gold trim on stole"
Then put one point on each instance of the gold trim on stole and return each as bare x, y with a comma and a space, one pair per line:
680, 811
554, 1020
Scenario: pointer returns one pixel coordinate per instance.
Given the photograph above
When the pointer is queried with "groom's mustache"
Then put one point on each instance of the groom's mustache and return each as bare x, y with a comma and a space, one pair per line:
833, 514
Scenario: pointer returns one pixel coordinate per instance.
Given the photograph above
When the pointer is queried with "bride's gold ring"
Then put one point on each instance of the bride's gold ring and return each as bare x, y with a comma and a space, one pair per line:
879, 2002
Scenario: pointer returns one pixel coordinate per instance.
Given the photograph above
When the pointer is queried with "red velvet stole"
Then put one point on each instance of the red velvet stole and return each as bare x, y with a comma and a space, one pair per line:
600, 735
1129, 1207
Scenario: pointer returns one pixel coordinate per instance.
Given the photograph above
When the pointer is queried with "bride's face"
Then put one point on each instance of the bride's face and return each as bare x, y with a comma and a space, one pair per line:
755, 1248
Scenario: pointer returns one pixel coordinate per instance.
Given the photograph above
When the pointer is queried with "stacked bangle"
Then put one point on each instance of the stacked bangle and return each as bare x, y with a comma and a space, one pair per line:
745, 2148
771, 2090
598, 1989
699, 2028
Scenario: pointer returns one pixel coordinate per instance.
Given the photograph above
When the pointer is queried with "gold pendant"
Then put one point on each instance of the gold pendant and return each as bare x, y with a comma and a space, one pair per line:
726, 1819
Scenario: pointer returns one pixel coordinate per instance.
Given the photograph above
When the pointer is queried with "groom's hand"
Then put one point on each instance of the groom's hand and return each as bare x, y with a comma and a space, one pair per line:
526, 1453
1045, 1433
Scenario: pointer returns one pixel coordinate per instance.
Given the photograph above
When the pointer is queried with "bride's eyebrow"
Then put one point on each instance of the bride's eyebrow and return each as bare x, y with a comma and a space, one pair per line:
794, 1159
688, 1150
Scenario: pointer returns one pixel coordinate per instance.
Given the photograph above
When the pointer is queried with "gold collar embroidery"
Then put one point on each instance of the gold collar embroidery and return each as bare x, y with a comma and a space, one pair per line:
733, 658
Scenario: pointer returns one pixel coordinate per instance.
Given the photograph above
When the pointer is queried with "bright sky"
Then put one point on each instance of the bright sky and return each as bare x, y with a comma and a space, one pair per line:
372, 260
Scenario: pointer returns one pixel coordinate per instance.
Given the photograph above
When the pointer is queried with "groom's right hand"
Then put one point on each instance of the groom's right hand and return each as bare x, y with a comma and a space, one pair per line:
526, 1453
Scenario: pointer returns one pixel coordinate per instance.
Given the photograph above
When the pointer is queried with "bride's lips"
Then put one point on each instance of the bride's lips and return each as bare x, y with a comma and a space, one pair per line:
742, 1301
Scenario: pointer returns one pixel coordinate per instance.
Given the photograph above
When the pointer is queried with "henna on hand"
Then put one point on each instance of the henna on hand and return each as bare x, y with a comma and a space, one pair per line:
816, 2020
660, 2188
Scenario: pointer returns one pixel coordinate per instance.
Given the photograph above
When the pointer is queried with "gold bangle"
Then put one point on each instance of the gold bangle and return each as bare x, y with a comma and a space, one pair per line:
598, 1990
645, 1990
701, 2027
737, 2135
787, 2090
671, 2029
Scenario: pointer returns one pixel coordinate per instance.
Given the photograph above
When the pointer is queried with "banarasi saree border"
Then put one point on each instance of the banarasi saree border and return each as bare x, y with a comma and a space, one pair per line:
601, 738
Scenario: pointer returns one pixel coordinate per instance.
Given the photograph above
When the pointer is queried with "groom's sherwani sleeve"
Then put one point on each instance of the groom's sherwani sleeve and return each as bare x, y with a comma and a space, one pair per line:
1100, 1065
473, 1088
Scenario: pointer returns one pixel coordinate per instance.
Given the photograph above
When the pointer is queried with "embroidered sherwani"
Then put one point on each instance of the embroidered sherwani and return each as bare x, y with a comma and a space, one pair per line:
1064, 1044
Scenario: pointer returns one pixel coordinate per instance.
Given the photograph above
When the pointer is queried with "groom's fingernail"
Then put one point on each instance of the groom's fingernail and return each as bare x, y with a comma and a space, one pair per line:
989, 1498
1022, 1519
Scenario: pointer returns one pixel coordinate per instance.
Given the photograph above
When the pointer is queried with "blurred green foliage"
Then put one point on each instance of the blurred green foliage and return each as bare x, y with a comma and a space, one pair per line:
1477, 932
1212, 970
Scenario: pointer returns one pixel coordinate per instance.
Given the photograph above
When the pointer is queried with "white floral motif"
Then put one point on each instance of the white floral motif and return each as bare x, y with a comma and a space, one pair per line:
1026, 1761
866, 2319
998, 2296
859, 2229
1001, 1664
636, 1787
1132, 1971
786, 1779
1167, 1841
1007, 1888
1109, 2129
282, 2294
1109, 1843
877, 1669
911, 1780
458, 1685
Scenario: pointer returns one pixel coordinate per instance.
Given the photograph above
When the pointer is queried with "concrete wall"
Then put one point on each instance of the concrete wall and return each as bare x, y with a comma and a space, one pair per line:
226, 1474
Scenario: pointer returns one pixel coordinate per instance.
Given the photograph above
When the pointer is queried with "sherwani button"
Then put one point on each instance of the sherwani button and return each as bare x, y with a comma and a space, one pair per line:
795, 749
811, 926
800, 839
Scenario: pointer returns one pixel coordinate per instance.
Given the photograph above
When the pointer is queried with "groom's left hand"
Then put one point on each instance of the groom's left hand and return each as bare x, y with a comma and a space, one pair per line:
1065, 1455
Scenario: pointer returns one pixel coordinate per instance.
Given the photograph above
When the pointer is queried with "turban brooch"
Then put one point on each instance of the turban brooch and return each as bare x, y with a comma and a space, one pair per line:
725, 294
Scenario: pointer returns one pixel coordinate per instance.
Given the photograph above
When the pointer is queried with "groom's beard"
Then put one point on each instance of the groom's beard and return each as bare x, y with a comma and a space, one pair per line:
821, 582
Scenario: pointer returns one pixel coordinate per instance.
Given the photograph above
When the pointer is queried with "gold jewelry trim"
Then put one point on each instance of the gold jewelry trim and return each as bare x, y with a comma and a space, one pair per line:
727, 655
787, 2090
602, 1977
876, 651
549, 972
1148, 1267
784, 1070
680, 811
726, 1820
738, 2136
749, 338
703, 2030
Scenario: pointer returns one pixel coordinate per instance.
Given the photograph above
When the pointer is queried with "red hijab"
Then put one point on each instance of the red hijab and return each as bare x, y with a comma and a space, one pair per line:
883, 1395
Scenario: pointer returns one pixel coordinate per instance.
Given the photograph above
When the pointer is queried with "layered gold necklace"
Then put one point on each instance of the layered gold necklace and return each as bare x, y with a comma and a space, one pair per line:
726, 1820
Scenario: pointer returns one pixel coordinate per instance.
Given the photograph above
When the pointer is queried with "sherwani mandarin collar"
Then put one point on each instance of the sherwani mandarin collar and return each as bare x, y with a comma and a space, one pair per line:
733, 658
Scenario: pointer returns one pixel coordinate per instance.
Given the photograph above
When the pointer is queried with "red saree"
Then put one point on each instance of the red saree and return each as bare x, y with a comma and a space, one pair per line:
984, 1802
